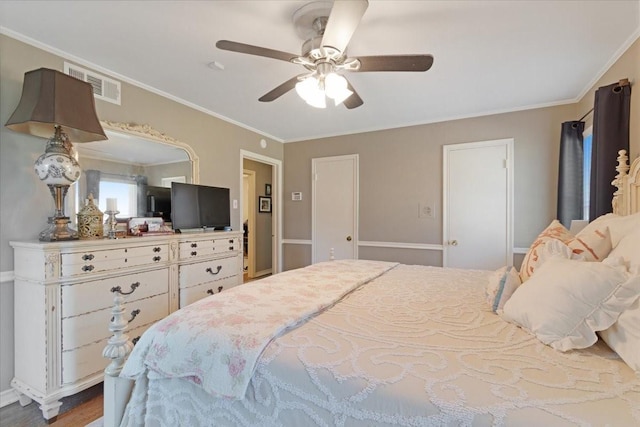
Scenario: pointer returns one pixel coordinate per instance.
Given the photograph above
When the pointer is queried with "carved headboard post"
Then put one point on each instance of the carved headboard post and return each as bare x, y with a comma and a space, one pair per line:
620, 200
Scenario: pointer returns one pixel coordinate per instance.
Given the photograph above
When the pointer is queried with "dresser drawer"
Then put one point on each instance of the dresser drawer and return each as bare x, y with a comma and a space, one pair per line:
87, 328
77, 263
208, 247
85, 361
195, 293
207, 271
94, 295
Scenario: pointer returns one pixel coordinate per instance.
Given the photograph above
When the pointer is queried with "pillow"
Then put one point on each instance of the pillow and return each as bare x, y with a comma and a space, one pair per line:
567, 301
624, 336
555, 230
502, 284
594, 245
619, 226
629, 249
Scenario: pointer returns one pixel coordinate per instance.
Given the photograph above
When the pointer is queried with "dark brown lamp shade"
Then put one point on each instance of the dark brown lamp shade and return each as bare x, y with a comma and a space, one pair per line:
51, 98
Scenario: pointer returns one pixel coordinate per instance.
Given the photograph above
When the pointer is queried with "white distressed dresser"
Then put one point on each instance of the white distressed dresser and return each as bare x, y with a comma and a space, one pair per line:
64, 294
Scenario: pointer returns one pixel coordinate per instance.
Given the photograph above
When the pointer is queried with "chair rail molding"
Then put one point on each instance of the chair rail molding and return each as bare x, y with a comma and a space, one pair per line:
6, 276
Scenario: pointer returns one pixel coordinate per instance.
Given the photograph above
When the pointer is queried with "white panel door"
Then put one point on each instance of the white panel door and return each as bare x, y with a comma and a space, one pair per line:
477, 217
335, 207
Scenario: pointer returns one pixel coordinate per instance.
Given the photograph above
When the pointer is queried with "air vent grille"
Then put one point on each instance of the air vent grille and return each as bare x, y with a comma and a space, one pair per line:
104, 88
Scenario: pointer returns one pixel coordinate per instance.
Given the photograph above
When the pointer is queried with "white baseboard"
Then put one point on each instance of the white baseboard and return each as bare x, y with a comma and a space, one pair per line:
7, 397
263, 272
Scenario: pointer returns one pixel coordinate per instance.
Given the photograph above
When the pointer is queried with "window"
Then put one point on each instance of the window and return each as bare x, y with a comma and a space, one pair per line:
586, 171
125, 190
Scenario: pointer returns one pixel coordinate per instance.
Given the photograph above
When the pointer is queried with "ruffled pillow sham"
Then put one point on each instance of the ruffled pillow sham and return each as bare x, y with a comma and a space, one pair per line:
566, 301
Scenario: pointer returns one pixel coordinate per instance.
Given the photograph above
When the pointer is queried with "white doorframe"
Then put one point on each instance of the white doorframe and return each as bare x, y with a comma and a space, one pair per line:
356, 202
251, 238
276, 203
446, 149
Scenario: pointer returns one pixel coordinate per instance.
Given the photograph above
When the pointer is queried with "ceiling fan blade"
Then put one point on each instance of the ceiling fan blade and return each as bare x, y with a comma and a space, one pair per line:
395, 63
280, 90
354, 101
343, 21
255, 50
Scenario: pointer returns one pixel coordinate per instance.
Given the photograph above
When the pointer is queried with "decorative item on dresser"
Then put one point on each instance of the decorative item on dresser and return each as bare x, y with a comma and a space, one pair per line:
55, 103
64, 293
90, 218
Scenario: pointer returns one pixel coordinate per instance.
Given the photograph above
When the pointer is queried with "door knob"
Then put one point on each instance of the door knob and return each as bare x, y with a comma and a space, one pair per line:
348, 238
453, 243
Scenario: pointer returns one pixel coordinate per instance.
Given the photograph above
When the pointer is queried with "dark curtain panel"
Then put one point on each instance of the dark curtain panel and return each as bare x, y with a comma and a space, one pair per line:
141, 183
610, 134
93, 184
570, 173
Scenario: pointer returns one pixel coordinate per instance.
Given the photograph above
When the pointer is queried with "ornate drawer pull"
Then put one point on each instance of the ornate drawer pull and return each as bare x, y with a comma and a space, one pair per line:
210, 291
157, 258
134, 313
118, 289
194, 245
230, 240
194, 253
135, 340
87, 257
87, 267
230, 248
210, 270
157, 249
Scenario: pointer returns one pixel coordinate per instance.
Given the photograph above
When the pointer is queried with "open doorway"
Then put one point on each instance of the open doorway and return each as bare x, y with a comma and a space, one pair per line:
261, 214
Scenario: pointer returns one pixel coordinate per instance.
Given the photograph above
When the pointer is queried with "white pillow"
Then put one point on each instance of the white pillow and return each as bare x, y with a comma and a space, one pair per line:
566, 301
619, 226
629, 249
624, 336
502, 284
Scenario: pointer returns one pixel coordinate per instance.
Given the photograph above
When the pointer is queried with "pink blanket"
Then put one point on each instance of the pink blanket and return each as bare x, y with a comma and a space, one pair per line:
216, 342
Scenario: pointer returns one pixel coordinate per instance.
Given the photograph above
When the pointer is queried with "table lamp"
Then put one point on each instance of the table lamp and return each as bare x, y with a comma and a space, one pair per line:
62, 108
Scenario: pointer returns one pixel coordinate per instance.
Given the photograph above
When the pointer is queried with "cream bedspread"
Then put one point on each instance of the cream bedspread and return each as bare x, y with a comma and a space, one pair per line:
416, 347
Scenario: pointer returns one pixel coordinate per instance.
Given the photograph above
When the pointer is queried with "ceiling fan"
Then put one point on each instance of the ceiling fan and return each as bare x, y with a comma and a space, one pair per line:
327, 29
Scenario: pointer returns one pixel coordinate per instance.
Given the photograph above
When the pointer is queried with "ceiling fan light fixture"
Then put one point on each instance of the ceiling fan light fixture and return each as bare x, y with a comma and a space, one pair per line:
335, 87
309, 90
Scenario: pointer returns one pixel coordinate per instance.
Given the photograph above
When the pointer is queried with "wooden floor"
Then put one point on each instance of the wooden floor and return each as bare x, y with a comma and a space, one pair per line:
76, 411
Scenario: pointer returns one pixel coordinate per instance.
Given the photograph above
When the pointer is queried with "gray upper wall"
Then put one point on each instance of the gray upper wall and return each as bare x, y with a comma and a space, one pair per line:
400, 168
25, 203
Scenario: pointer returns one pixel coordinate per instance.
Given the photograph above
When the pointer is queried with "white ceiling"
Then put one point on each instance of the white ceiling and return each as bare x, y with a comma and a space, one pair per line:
490, 56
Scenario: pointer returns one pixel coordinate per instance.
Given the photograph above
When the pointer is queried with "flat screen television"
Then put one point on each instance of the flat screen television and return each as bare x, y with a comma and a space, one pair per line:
158, 202
199, 206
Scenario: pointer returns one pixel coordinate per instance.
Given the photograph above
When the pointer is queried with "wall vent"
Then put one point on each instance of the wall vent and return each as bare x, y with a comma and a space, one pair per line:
104, 88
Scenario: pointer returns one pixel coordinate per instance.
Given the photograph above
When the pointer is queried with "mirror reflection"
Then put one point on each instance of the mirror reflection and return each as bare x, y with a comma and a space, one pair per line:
135, 170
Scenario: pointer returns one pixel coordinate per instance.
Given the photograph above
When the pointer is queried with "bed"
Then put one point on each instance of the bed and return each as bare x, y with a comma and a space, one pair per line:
366, 343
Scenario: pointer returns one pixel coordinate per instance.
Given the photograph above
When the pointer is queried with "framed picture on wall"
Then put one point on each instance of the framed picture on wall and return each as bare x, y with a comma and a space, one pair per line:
267, 189
264, 204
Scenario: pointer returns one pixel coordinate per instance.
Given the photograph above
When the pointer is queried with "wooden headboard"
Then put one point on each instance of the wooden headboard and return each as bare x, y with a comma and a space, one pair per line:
626, 199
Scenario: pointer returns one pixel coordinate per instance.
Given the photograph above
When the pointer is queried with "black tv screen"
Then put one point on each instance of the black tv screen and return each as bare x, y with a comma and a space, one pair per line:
158, 202
199, 206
